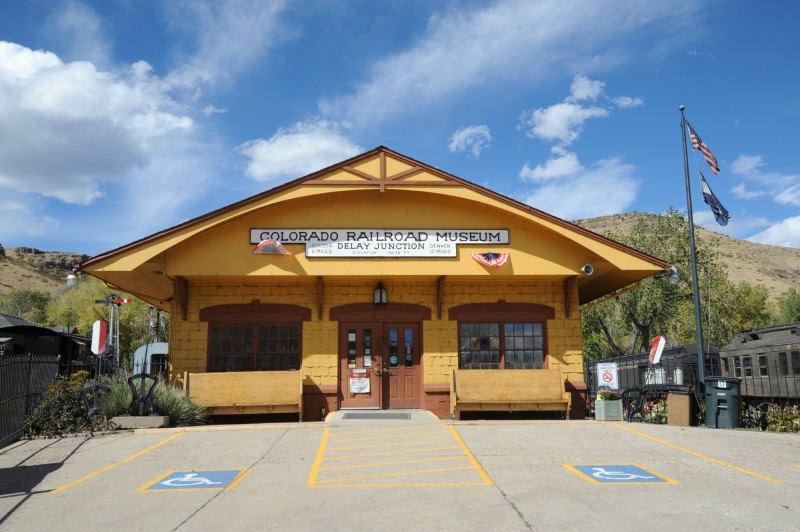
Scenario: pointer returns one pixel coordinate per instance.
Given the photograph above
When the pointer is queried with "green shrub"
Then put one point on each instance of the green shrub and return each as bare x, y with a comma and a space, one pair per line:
783, 418
62, 411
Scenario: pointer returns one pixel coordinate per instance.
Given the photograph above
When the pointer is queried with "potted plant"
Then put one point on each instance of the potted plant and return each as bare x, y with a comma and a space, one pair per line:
608, 406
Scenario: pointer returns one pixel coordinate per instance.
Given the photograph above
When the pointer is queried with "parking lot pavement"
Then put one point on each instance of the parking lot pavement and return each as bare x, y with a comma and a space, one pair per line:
415, 473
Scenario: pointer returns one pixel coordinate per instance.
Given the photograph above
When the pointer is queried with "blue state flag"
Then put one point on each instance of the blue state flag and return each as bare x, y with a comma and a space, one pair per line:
720, 213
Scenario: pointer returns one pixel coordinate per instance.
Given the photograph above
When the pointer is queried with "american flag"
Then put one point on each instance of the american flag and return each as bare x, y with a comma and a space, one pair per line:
698, 144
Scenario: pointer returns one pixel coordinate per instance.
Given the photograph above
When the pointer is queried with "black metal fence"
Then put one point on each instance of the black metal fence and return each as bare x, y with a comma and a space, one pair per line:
23, 381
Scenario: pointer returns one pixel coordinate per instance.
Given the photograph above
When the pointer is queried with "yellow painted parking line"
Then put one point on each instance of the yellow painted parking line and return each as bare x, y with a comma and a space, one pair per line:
699, 455
386, 436
392, 453
389, 475
383, 430
395, 462
115, 464
393, 444
328, 455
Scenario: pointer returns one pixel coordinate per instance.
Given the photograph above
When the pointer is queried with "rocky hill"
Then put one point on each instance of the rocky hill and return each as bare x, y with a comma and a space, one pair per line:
777, 268
33, 269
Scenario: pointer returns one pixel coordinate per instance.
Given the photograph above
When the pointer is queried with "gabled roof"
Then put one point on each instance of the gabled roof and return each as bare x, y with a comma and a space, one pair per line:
11, 321
138, 267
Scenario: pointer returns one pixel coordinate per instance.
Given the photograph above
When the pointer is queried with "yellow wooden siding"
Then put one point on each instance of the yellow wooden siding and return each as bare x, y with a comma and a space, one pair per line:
189, 339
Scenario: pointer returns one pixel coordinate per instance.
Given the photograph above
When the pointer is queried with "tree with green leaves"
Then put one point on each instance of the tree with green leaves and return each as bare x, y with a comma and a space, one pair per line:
29, 305
627, 323
789, 306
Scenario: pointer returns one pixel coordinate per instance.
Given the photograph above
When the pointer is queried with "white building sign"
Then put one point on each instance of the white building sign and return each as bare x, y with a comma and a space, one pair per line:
381, 242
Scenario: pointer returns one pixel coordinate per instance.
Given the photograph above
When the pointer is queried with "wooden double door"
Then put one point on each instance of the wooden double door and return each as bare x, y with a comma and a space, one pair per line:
380, 365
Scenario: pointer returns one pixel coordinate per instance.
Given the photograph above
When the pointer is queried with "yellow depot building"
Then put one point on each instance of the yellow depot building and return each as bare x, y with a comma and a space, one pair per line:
376, 283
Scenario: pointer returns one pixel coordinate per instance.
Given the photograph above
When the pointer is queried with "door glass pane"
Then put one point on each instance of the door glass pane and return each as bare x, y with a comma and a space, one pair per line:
409, 348
393, 360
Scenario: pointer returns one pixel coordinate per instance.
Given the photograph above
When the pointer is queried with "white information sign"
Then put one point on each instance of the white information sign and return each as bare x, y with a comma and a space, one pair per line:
381, 242
359, 381
607, 375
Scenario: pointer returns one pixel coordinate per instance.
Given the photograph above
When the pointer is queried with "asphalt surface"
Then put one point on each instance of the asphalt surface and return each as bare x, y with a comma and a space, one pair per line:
405, 470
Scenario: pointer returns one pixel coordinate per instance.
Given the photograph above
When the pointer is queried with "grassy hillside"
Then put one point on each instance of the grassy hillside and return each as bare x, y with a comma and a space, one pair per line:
777, 268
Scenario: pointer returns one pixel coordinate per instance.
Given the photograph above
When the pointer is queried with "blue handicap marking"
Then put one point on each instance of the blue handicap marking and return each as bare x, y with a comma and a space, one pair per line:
215, 480
619, 474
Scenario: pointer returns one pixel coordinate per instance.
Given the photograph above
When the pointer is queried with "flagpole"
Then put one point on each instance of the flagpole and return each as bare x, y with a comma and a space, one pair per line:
693, 260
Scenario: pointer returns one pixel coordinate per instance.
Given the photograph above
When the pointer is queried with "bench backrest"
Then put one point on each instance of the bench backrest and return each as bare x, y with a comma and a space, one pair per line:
517, 385
245, 387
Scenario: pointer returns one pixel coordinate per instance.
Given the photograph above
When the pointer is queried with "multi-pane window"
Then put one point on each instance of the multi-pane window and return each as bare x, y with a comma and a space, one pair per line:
783, 363
763, 369
249, 347
748, 366
737, 367
796, 362
496, 345
726, 367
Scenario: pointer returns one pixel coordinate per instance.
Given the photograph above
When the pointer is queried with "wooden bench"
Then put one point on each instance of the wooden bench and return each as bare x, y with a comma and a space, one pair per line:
247, 392
508, 391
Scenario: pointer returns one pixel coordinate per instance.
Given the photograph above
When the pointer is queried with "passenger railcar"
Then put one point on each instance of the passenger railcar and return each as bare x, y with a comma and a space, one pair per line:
767, 359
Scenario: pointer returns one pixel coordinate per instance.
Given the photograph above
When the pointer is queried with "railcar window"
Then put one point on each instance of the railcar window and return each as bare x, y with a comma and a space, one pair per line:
726, 367
783, 363
737, 367
747, 363
763, 369
796, 362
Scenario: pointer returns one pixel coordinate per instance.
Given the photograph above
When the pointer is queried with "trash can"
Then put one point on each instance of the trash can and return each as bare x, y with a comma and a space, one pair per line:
722, 402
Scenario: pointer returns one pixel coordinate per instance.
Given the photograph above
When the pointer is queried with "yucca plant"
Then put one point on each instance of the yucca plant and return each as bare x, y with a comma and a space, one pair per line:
167, 401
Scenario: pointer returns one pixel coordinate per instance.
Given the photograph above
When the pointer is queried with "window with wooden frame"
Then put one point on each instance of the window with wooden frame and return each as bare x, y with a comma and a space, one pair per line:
254, 337
502, 335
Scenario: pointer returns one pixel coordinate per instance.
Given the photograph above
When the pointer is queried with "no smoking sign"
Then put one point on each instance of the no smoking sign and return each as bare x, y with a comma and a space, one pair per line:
607, 373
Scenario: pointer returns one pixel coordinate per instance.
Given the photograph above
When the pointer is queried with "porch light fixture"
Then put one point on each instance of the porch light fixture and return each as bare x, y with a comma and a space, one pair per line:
380, 296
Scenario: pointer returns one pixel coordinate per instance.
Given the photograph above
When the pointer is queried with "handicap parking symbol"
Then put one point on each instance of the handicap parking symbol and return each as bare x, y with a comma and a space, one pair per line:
619, 474
196, 480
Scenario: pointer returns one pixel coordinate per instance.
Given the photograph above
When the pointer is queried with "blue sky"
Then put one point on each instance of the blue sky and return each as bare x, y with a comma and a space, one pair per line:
119, 118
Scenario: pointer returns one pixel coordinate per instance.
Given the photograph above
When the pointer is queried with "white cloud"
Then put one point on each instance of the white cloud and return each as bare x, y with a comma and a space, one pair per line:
583, 88
627, 102
230, 35
66, 128
741, 191
564, 165
562, 122
747, 164
209, 110
23, 218
785, 233
296, 151
472, 139
789, 196
608, 187
80, 33
516, 41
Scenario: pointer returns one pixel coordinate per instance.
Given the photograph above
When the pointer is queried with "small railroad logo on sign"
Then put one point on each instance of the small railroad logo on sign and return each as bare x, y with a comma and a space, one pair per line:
619, 474
223, 479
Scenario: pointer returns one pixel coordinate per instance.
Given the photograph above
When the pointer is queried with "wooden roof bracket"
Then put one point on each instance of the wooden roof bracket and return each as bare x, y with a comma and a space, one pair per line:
320, 296
182, 295
439, 295
569, 287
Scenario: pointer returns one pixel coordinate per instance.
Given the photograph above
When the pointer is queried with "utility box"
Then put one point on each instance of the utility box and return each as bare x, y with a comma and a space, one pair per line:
679, 409
723, 410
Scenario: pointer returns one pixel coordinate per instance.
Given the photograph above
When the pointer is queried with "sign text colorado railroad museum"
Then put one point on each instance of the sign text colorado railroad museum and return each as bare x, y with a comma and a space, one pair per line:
379, 282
